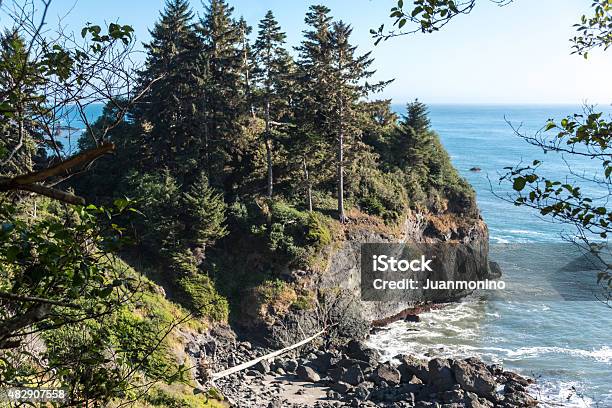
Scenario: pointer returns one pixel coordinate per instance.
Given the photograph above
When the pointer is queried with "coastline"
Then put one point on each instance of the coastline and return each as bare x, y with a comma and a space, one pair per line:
356, 375
345, 372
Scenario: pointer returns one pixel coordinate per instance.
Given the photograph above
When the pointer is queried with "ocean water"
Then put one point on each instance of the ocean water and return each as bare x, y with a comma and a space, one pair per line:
565, 342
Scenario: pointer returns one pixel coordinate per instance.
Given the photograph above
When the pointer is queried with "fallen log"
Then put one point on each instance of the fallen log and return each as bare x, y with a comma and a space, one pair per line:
251, 363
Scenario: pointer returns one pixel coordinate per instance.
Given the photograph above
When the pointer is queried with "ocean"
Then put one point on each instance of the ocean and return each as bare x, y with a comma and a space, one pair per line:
562, 341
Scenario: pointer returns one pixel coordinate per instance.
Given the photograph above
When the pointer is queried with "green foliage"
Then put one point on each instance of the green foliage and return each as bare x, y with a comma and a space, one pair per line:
318, 232
173, 80
594, 31
97, 341
58, 261
204, 298
427, 16
138, 338
169, 398
204, 216
158, 199
417, 117
382, 194
587, 134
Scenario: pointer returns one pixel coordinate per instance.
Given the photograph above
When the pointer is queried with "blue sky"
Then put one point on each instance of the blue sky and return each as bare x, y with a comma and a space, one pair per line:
515, 54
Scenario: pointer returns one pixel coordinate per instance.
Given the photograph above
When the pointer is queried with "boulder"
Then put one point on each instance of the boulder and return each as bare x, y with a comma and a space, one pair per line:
441, 376
415, 380
512, 386
263, 367
341, 387
472, 375
290, 366
386, 373
361, 392
353, 375
334, 395
350, 362
336, 373
495, 369
426, 404
411, 366
519, 399
453, 397
306, 373
510, 376
360, 351
322, 363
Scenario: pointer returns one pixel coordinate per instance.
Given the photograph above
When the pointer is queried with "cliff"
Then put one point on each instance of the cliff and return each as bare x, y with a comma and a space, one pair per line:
333, 283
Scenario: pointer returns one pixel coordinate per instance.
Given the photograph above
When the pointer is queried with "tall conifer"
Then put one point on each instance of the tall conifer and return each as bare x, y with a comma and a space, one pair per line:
168, 111
224, 98
273, 77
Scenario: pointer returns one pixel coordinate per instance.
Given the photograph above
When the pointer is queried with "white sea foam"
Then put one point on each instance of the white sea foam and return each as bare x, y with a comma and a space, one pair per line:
603, 354
561, 394
454, 332
499, 240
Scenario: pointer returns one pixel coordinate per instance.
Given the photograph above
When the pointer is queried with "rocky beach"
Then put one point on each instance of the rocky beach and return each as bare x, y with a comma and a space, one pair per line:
351, 375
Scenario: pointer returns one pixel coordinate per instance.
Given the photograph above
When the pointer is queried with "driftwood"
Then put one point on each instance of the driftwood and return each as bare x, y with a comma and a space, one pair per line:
251, 363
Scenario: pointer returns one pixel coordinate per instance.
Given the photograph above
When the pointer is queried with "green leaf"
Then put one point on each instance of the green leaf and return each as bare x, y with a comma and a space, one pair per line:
519, 183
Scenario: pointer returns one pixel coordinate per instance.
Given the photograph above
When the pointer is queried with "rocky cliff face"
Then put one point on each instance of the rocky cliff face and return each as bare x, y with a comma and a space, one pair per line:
459, 241
461, 254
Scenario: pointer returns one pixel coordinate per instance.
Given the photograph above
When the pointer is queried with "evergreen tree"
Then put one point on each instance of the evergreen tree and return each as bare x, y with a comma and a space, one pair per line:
414, 139
169, 110
334, 81
417, 117
312, 105
204, 216
273, 76
224, 98
21, 105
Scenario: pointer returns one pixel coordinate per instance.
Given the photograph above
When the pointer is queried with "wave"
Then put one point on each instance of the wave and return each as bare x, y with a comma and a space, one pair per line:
527, 232
602, 355
561, 394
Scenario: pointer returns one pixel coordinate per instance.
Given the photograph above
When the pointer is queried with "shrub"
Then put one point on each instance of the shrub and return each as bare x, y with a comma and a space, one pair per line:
318, 232
382, 194
138, 336
275, 297
203, 297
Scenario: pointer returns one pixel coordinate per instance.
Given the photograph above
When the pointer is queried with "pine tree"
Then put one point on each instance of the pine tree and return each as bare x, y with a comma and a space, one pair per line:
414, 140
21, 105
169, 110
224, 98
349, 75
204, 214
417, 117
334, 81
311, 108
273, 77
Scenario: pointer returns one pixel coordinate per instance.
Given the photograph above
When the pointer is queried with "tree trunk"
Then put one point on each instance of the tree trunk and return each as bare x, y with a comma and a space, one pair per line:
269, 151
341, 214
308, 186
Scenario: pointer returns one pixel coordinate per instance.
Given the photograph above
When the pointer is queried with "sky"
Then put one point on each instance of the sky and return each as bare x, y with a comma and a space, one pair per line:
515, 54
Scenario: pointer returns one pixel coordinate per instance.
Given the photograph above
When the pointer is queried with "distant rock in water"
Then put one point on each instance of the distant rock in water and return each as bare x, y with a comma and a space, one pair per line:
476, 169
